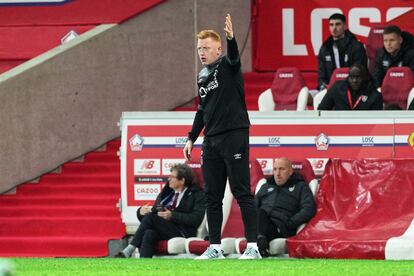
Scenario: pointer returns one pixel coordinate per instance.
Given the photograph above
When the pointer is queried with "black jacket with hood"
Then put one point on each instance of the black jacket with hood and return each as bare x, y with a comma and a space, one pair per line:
288, 206
404, 57
222, 106
351, 51
189, 213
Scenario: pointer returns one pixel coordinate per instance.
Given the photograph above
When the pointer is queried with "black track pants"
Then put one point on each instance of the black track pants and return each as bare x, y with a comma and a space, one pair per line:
227, 155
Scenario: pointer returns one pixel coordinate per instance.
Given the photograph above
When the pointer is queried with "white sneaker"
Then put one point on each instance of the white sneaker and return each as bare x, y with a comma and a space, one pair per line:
250, 253
211, 254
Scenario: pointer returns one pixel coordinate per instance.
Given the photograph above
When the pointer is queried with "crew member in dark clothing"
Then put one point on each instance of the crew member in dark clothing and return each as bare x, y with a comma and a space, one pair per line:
178, 211
223, 114
284, 203
398, 51
341, 49
357, 92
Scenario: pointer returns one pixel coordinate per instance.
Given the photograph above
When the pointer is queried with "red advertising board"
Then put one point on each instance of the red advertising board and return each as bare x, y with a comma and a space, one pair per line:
290, 33
152, 142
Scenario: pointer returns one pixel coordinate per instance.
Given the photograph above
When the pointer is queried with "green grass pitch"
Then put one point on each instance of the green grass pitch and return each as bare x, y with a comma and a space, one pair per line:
111, 266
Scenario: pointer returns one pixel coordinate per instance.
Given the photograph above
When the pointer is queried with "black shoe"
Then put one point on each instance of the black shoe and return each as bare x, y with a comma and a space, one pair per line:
263, 246
120, 254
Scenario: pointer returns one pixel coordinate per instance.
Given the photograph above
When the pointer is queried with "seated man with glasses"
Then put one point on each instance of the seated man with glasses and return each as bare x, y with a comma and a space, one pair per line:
178, 211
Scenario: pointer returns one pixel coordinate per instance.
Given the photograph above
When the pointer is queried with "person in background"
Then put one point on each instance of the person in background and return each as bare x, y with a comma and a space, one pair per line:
356, 92
178, 211
283, 203
341, 49
398, 51
223, 114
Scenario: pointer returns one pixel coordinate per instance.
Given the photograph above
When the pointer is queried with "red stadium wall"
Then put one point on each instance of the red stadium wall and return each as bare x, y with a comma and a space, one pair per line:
290, 33
27, 30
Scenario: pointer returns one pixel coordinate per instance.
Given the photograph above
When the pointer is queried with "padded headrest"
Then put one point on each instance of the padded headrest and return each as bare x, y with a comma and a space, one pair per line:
304, 168
374, 40
338, 74
198, 176
256, 173
396, 86
287, 83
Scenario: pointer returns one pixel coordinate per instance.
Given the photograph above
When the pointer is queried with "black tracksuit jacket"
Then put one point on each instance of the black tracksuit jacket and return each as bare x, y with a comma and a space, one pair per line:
222, 106
288, 206
384, 61
189, 213
351, 51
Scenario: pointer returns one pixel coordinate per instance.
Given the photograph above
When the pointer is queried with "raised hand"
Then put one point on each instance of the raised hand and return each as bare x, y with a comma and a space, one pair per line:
228, 27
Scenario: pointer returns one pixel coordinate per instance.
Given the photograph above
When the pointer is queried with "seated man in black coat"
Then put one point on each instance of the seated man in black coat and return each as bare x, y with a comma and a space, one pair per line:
398, 51
178, 211
284, 203
356, 92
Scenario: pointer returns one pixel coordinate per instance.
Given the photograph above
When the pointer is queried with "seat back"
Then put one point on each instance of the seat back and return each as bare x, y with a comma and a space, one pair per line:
286, 86
338, 74
374, 42
397, 85
304, 168
265, 101
197, 174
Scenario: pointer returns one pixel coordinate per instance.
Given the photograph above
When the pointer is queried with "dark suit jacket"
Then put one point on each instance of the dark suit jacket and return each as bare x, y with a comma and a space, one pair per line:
190, 212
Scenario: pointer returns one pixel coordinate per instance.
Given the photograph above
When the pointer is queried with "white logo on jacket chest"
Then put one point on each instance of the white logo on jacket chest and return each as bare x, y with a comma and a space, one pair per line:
203, 91
291, 189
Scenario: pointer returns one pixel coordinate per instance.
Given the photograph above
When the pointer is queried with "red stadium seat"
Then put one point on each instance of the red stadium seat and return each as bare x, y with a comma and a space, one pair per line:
288, 91
337, 74
397, 85
374, 42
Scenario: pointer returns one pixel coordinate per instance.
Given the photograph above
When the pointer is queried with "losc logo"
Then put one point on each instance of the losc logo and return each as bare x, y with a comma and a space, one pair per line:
168, 163
180, 141
356, 17
274, 141
147, 167
368, 141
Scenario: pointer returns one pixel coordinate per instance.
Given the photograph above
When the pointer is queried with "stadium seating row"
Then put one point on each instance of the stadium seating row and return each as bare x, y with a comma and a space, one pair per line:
289, 92
233, 241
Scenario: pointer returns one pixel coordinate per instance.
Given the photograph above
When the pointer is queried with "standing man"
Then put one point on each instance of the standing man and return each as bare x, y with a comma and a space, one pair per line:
398, 51
178, 211
223, 114
341, 49
284, 203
